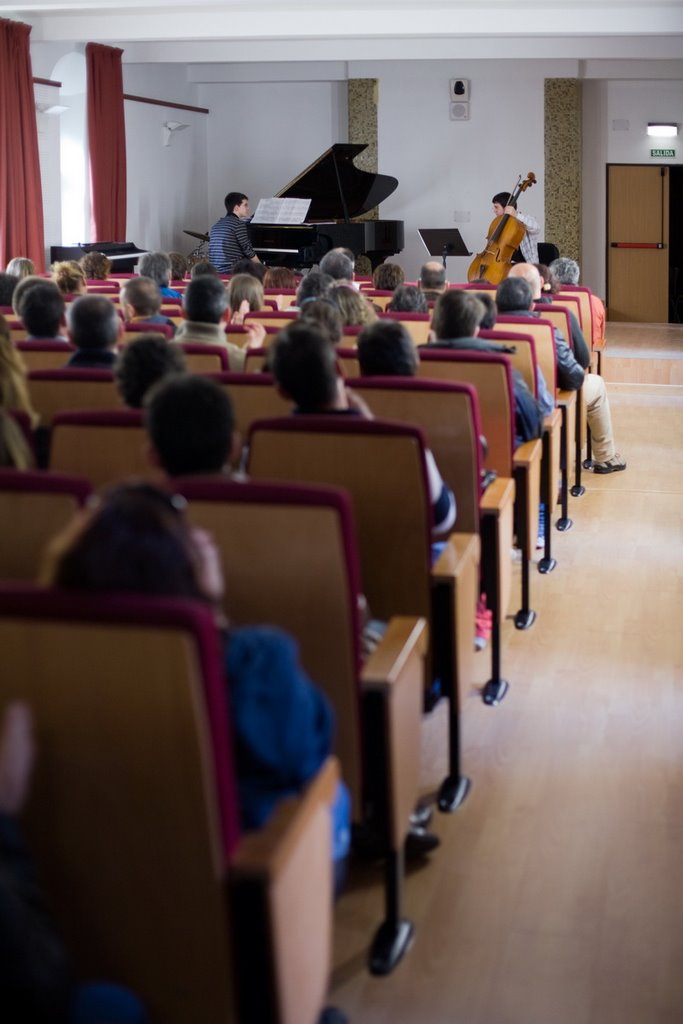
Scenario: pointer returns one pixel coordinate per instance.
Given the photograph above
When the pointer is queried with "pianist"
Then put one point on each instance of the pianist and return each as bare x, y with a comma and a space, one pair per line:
228, 238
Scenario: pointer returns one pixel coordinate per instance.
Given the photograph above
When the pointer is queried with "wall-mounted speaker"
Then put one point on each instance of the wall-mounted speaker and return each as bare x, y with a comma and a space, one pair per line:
460, 111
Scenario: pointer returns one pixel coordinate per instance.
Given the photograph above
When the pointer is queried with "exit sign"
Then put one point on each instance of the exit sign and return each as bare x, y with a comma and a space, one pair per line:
663, 152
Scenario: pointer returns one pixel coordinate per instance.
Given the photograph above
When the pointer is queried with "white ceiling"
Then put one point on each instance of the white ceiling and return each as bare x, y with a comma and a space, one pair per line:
234, 31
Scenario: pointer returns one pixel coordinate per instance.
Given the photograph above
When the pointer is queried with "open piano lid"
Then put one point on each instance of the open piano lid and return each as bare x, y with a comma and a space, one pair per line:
337, 189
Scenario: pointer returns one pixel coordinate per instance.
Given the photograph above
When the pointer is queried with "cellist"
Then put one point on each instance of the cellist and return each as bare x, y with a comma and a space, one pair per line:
527, 247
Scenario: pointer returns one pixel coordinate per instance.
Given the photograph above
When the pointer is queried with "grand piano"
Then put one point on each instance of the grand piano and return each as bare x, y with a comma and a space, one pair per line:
338, 191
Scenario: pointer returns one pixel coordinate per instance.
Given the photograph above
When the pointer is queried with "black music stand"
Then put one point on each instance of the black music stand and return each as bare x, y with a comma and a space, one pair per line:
443, 242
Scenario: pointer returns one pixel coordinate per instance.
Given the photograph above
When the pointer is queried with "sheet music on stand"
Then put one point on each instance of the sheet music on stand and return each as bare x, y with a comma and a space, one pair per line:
281, 211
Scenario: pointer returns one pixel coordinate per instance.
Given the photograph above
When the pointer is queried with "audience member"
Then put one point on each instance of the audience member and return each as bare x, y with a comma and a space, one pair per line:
22, 286
567, 271
202, 267
14, 450
455, 325
355, 310
96, 266
21, 266
205, 305
245, 295
43, 310
142, 363
280, 277
178, 266
94, 328
432, 282
388, 276
315, 285
8, 283
157, 265
305, 368
576, 339
408, 299
69, 277
257, 270
191, 426
13, 386
325, 314
385, 349
141, 301
338, 263
138, 541
515, 296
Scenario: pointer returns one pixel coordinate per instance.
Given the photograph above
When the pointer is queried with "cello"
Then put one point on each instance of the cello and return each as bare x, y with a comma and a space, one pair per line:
505, 233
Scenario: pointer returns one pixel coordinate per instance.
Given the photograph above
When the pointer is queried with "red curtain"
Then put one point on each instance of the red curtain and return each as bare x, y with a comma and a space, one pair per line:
21, 197
107, 143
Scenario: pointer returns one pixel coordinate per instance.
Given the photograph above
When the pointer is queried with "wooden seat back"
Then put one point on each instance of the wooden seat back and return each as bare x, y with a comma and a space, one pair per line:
448, 413
44, 355
490, 374
238, 335
34, 506
418, 325
202, 359
56, 391
544, 341
559, 318
308, 533
104, 446
583, 296
272, 318
254, 396
523, 358
382, 466
347, 361
133, 815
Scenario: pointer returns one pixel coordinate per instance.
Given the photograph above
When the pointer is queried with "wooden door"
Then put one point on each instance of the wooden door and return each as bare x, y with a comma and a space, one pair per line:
638, 243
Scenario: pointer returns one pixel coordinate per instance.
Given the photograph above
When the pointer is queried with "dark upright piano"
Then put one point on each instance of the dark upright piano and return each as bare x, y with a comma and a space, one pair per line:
338, 192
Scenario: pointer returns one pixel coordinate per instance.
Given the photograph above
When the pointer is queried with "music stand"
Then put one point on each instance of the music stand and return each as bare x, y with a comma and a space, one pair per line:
443, 242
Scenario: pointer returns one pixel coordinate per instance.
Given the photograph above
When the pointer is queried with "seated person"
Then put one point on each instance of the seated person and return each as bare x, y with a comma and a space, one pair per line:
246, 266
178, 266
567, 271
8, 283
94, 329
326, 315
14, 392
354, 308
202, 267
21, 266
388, 276
69, 277
43, 310
157, 265
144, 362
141, 302
516, 296
96, 266
205, 307
14, 450
305, 368
339, 263
549, 287
136, 540
280, 277
432, 281
408, 299
455, 325
245, 295
191, 426
315, 285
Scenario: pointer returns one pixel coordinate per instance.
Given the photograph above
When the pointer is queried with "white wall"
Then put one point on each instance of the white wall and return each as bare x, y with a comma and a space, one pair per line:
166, 185
449, 170
632, 103
262, 134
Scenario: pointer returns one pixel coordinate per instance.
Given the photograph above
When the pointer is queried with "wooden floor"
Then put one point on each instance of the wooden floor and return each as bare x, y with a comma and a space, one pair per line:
557, 895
